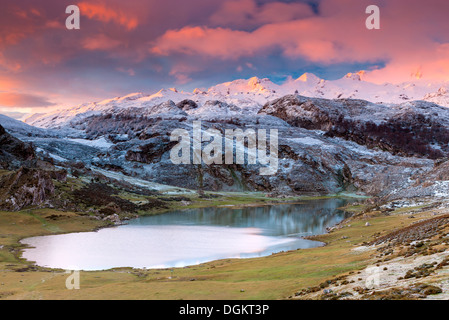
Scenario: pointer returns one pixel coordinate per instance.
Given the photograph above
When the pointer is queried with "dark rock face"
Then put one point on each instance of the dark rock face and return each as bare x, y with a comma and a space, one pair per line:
409, 134
31, 184
13, 152
187, 105
25, 187
149, 153
302, 112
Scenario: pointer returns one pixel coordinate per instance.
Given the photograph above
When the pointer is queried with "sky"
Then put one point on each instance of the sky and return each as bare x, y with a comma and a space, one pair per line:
145, 45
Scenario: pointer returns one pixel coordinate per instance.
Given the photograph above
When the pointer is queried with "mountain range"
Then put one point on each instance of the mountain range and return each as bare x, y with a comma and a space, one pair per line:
345, 135
251, 94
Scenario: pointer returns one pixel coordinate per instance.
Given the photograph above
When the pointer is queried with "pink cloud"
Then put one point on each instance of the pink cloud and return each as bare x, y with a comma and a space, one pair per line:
130, 71
217, 42
100, 42
22, 100
181, 71
107, 13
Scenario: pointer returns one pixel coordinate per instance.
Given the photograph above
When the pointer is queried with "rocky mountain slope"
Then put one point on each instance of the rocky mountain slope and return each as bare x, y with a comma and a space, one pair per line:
325, 146
411, 129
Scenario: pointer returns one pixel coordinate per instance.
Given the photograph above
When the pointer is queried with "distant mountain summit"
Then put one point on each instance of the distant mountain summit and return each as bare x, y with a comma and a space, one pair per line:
309, 78
251, 94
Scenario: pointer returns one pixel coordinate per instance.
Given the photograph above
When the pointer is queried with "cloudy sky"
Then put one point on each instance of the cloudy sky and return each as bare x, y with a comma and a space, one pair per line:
145, 45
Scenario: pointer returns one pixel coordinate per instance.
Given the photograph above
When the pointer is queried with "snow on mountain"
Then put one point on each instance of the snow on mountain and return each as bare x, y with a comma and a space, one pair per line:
440, 97
19, 127
255, 89
10, 123
248, 96
100, 143
309, 78
354, 86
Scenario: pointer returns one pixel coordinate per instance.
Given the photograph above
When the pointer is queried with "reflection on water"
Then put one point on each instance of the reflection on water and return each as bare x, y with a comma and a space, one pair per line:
307, 218
189, 237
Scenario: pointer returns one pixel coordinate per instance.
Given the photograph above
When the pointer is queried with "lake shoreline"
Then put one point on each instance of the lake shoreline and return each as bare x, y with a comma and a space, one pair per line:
28, 248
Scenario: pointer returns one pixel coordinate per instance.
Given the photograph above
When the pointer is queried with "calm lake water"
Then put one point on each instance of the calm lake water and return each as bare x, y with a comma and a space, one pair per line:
189, 237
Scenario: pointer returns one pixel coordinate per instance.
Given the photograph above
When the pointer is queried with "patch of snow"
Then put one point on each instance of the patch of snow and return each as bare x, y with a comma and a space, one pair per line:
307, 141
441, 189
54, 156
100, 143
144, 183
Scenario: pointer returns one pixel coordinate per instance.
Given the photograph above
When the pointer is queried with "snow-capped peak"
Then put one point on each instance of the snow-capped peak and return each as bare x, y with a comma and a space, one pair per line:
132, 96
199, 91
358, 76
308, 78
253, 85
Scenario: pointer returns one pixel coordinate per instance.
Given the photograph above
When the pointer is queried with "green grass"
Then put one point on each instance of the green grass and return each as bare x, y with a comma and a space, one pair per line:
3, 172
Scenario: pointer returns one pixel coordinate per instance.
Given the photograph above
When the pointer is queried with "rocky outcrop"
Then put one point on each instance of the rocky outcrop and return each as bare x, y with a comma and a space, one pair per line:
298, 111
150, 152
187, 105
25, 187
29, 179
13, 152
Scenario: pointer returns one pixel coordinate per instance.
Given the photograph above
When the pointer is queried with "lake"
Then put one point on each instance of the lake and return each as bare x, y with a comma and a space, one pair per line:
189, 237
